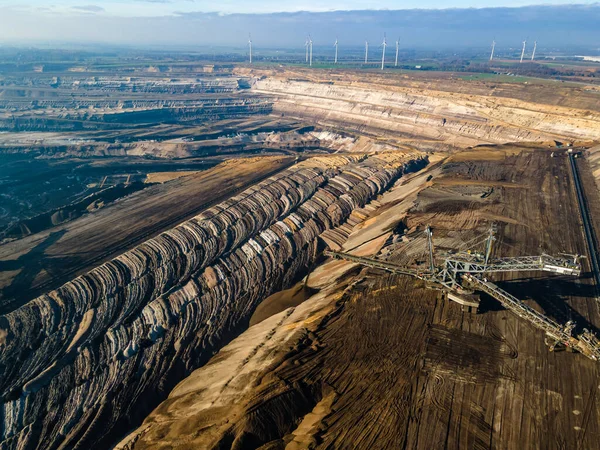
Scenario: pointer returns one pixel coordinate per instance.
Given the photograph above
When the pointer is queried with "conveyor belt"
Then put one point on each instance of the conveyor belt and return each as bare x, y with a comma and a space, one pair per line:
588, 229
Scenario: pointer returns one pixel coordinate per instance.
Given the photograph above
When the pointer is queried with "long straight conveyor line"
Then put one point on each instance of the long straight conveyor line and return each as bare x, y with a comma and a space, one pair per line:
588, 228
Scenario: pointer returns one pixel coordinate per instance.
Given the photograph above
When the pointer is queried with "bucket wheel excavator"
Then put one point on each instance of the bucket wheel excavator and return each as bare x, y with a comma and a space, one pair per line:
462, 274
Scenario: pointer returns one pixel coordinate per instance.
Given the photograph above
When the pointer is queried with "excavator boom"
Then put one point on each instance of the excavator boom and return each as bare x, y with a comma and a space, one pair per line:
546, 263
586, 343
383, 265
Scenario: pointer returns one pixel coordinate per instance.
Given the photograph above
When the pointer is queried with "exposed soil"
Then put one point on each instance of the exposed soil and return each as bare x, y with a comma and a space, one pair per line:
348, 358
392, 365
163, 177
47, 259
433, 115
281, 301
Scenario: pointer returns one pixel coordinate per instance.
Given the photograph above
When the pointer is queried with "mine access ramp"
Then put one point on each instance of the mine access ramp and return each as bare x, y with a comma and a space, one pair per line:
462, 273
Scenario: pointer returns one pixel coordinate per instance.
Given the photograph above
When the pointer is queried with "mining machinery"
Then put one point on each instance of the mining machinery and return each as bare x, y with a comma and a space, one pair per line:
464, 272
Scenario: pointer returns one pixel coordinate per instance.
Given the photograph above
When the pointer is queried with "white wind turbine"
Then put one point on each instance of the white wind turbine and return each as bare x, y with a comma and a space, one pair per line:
306, 46
250, 46
310, 44
366, 51
397, 47
493, 48
523, 51
384, 45
534, 48
336, 50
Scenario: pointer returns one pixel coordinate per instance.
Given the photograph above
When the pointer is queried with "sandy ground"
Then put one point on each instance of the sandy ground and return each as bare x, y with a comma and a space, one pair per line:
280, 301
380, 362
285, 316
163, 177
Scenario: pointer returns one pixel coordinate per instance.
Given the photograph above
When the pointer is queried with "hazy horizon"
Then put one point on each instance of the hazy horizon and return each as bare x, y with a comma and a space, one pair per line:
553, 26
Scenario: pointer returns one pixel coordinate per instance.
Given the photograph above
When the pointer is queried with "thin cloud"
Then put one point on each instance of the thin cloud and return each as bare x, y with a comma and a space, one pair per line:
89, 8
455, 28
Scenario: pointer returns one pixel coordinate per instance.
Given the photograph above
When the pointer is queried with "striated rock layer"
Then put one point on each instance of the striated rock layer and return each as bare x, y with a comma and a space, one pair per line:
426, 117
84, 363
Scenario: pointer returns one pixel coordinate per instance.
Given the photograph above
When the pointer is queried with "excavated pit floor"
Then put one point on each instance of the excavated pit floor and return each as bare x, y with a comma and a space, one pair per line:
378, 361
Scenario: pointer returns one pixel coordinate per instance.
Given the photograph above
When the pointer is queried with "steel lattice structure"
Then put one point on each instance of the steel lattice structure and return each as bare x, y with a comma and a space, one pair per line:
467, 269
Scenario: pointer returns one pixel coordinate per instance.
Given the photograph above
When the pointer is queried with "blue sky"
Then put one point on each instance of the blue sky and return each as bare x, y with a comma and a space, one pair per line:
149, 8
279, 23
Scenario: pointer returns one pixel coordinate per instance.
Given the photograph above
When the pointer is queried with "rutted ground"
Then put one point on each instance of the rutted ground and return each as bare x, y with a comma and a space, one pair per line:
381, 362
369, 363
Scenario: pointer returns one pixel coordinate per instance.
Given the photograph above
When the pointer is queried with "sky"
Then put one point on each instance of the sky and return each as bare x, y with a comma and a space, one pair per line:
421, 23
153, 8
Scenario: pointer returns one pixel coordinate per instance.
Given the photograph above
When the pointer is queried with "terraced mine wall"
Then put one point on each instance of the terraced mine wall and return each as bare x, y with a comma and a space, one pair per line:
76, 102
162, 150
116, 103
216, 109
44, 221
84, 363
439, 119
23, 84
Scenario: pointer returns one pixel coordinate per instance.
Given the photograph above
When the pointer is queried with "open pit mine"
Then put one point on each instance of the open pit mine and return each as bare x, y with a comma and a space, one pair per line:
165, 280
102, 346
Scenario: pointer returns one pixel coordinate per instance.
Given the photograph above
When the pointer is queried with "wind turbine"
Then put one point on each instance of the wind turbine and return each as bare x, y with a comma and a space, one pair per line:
397, 47
336, 50
384, 45
366, 51
493, 48
310, 43
250, 46
523, 51
534, 47
306, 45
